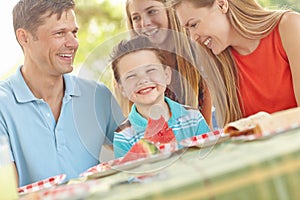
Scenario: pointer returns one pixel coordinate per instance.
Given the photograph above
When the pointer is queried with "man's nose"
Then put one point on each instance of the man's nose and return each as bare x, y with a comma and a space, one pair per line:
71, 41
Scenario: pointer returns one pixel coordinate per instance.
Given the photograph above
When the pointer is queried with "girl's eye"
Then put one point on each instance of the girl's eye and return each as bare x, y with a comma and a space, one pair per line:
135, 18
151, 70
152, 11
130, 77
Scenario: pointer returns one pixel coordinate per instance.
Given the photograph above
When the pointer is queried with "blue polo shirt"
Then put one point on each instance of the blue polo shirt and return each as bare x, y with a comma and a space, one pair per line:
42, 147
184, 121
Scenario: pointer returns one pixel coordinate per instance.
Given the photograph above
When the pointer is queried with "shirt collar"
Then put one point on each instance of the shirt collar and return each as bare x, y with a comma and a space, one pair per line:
23, 94
177, 111
140, 123
137, 121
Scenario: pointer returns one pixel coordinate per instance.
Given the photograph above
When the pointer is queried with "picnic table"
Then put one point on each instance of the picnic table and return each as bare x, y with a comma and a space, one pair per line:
261, 169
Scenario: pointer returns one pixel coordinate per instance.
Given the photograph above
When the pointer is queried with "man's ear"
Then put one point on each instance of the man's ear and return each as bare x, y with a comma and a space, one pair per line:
168, 73
223, 5
22, 36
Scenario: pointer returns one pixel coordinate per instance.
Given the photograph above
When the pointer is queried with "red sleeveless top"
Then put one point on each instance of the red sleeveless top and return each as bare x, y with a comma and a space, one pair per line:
265, 80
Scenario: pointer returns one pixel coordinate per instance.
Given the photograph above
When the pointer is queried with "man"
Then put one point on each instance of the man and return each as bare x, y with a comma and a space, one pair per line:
56, 123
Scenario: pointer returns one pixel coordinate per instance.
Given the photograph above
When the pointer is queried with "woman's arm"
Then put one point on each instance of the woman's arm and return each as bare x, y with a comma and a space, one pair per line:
289, 29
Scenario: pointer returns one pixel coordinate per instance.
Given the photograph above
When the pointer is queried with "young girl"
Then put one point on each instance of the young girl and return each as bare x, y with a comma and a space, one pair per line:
142, 76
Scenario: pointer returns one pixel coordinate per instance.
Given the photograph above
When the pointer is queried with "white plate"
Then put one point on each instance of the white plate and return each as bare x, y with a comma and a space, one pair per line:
206, 139
100, 170
135, 163
111, 167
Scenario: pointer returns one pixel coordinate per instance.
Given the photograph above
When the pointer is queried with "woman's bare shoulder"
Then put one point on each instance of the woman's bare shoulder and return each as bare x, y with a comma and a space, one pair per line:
289, 28
289, 21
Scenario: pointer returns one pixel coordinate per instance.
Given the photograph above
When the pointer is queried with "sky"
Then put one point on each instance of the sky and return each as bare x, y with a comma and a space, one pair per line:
11, 55
10, 51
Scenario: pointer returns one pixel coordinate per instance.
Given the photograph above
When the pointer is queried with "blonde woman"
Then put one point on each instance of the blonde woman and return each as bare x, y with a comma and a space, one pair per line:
257, 51
150, 18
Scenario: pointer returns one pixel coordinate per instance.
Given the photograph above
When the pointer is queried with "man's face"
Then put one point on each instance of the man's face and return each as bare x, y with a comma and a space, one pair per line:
53, 47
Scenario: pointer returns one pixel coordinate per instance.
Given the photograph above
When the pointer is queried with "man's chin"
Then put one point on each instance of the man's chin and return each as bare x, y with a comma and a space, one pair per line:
68, 69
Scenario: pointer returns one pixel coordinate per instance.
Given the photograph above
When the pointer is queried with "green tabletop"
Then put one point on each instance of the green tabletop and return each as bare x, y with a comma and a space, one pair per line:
264, 169
261, 169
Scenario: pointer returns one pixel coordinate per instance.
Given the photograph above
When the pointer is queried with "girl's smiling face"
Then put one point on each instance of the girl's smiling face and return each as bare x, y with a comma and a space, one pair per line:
143, 79
149, 18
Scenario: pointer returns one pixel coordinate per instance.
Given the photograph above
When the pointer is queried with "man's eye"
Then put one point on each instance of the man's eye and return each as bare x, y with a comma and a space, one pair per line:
59, 33
75, 32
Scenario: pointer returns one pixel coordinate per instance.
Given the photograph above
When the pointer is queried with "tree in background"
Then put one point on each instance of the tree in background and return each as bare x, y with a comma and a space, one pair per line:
99, 22
290, 4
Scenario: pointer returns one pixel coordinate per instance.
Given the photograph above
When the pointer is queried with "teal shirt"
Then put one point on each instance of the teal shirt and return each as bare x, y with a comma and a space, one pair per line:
185, 122
42, 147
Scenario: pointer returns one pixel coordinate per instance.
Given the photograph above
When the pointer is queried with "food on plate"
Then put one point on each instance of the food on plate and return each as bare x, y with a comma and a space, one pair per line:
263, 122
158, 131
141, 149
246, 126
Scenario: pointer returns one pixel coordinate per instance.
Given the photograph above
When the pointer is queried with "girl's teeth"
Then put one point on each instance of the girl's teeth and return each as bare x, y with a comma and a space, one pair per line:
145, 91
151, 32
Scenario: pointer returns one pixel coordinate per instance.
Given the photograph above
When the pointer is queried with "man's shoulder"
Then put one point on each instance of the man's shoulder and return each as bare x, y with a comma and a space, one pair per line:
80, 80
85, 85
5, 89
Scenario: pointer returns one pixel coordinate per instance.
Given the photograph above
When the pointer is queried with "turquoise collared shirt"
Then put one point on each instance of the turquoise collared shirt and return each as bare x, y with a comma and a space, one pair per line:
42, 147
184, 121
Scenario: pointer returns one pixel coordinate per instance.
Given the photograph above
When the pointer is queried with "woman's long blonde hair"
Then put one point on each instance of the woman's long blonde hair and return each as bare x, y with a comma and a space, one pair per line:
251, 21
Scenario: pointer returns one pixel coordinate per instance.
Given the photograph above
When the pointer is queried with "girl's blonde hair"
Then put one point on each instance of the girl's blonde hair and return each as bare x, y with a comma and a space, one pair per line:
251, 21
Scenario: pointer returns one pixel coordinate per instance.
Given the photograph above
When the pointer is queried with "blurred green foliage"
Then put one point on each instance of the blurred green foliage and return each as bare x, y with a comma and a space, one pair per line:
281, 4
99, 22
